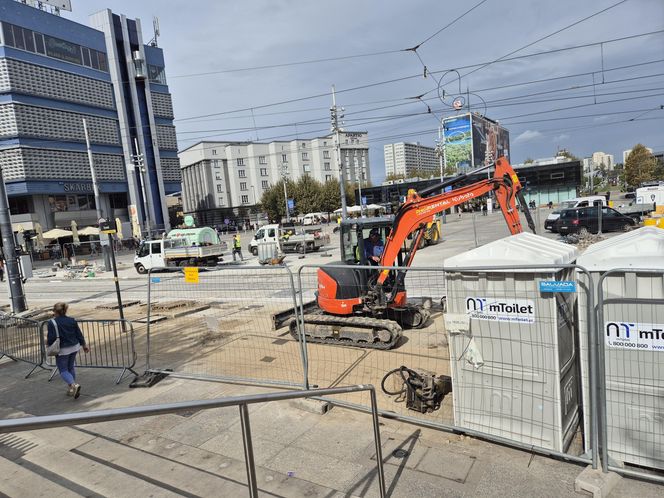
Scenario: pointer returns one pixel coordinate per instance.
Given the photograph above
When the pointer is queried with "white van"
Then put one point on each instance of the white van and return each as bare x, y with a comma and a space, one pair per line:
312, 218
593, 200
650, 194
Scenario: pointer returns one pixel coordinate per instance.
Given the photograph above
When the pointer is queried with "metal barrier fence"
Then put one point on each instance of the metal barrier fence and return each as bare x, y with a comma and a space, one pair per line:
111, 344
70, 419
20, 340
219, 323
510, 349
631, 321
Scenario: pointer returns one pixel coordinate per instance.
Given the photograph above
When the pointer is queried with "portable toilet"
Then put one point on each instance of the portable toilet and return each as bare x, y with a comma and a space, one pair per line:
632, 334
512, 341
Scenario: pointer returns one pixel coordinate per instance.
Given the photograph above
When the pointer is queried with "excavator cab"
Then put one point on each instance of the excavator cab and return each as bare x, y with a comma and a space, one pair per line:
356, 238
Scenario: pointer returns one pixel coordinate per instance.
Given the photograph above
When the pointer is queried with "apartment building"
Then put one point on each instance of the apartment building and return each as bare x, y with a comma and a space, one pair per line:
407, 159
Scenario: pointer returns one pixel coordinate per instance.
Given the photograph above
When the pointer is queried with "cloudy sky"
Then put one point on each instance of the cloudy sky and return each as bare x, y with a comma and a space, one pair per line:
225, 58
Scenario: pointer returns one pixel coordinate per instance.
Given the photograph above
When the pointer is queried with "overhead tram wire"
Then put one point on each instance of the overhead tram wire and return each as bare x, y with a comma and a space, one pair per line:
405, 78
558, 31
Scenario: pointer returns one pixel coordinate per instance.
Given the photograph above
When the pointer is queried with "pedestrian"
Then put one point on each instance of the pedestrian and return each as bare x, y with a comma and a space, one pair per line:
237, 246
483, 209
550, 204
2, 270
71, 340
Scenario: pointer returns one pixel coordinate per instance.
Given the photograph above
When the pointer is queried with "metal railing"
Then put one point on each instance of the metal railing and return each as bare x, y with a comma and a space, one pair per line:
218, 324
518, 361
243, 402
20, 340
111, 344
630, 316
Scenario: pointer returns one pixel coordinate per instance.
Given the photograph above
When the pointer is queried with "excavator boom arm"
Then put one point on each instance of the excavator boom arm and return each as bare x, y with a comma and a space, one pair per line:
417, 211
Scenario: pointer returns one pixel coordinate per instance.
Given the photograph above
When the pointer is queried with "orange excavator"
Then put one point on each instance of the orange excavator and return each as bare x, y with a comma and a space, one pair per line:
359, 305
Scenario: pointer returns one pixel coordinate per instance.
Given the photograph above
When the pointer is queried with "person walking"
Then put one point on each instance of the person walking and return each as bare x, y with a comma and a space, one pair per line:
237, 246
71, 340
2, 270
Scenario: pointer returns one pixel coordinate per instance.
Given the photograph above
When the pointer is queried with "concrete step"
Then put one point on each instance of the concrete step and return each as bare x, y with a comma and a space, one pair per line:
178, 478
18, 481
93, 475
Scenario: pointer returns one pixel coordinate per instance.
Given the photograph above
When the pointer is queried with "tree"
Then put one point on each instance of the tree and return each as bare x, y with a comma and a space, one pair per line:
394, 176
640, 166
658, 174
567, 154
529, 160
330, 199
307, 195
273, 201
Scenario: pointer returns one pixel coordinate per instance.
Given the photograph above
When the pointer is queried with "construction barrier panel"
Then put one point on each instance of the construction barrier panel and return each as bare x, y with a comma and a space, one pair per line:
221, 323
111, 344
507, 345
631, 324
20, 340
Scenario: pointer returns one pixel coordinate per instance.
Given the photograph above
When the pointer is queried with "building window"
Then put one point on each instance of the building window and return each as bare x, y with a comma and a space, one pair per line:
243, 185
324, 144
220, 201
265, 185
72, 202
32, 41
326, 154
240, 161
306, 167
326, 167
262, 160
304, 145
305, 156
558, 175
263, 171
214, 152
217, 176
156, 74
245, 199
215, 163
242, 173
284, 158
328, 178
219, 187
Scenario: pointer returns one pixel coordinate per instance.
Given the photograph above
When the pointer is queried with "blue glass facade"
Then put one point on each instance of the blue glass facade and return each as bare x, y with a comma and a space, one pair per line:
53, 74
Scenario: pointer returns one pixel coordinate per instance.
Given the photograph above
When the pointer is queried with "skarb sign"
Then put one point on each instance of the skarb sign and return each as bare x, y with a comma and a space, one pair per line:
501, 310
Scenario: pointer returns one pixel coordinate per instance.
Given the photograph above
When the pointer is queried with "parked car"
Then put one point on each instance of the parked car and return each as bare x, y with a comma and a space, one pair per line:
577, 202
586, 220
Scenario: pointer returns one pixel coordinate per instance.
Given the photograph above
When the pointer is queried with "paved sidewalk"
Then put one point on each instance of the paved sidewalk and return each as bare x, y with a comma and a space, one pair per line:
297, 453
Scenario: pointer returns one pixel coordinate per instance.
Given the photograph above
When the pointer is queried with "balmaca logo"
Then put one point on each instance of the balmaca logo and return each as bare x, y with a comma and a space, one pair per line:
501, 310
629, 335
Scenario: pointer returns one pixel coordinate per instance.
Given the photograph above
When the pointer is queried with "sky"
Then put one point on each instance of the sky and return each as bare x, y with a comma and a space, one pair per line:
229, 65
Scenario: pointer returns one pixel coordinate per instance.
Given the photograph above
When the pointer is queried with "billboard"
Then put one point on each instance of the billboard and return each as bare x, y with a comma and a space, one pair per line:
472, 141
457, 140
490, 141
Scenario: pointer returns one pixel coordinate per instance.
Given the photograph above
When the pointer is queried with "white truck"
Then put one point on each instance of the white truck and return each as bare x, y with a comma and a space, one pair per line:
291, 239
188, 247
652, 194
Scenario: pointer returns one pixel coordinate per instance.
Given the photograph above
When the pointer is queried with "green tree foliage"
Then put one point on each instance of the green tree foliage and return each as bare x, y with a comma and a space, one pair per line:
273, 201
658, 173
529, 160
640, 166
567, 154
330, 198
307, 195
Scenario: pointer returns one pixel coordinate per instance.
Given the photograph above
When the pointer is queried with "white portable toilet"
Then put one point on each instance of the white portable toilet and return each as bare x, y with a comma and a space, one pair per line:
512, 345
634, 349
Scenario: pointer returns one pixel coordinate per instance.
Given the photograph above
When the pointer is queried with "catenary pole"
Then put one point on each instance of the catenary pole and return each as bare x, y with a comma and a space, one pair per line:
337, 145
95, 187
9, 248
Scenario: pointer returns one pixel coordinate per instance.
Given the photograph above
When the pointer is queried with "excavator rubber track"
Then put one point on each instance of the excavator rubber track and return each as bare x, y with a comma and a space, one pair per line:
356, 331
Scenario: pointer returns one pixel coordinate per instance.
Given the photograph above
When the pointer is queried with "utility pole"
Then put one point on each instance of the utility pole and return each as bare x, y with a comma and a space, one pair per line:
335, 116
284, 174
9, 248
95, 187
139, 161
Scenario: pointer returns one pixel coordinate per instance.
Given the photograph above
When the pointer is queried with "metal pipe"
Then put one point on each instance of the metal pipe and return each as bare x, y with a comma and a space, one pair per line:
592, 372
78, 418
248, 451
16, 292
379, 448
601, 395
147, 326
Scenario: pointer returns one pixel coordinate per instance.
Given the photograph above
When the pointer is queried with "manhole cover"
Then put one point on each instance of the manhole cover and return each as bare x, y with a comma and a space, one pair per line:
268, 359
400, 453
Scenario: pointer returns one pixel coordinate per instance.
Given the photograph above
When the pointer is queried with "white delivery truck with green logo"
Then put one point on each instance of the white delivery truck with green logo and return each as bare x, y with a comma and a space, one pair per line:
185, 247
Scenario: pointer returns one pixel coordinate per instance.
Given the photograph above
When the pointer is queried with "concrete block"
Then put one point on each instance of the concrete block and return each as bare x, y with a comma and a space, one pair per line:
315, 406
595, 482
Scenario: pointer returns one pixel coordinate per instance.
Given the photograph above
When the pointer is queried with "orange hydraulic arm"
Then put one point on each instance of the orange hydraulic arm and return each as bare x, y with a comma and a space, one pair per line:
417, 211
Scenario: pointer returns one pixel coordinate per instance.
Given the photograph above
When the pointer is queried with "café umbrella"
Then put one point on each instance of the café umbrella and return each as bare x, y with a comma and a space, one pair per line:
74, 233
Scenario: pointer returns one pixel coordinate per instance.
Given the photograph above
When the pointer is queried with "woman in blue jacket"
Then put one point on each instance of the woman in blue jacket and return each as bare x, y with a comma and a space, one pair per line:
71, 341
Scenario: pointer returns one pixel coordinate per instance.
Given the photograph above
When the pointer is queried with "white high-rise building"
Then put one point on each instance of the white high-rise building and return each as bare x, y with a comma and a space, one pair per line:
218, 178
600, 158
408, 159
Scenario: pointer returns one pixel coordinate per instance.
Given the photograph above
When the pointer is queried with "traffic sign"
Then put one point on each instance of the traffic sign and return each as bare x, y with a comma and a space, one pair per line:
106, 227
191, 275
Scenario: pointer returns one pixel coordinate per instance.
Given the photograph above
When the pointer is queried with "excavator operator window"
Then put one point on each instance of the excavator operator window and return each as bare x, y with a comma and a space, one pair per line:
349, 244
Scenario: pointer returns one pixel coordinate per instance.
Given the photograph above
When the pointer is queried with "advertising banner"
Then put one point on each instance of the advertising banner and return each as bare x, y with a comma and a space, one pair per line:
457, 140
490, 141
